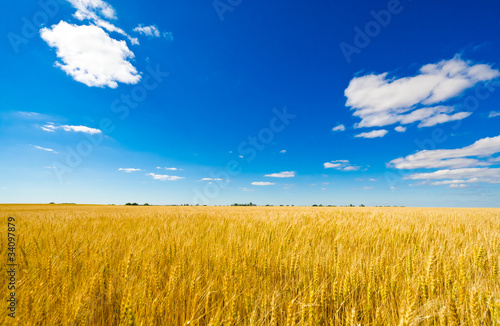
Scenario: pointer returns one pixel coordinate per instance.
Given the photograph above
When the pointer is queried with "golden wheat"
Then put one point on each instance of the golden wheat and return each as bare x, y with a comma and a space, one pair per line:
116, 265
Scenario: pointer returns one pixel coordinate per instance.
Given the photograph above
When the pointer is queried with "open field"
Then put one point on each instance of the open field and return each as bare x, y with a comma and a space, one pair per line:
116, 265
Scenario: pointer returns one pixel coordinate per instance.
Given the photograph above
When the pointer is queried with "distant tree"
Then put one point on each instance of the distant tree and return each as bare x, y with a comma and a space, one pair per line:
315, 205
146, 204
51, 203
361, 205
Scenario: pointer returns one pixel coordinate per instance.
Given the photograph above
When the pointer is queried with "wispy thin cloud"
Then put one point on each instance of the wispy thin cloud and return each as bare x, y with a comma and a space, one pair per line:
261, 183
341, 165
460, 166
284, 174
339, 128
45, 149
84, 129
452, 158
128, 170
153, 31
372, 134
164, 177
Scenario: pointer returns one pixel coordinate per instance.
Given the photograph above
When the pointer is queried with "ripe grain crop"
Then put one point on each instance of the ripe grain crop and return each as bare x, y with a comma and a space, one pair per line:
122, 265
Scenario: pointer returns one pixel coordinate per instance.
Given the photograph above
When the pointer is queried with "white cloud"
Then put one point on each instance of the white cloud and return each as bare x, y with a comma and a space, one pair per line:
147, 30
90, 55
168, 35
380, 101
99, 12
153, 31
246, 189
451, 158
371, 179
456, 167
372, 134
89, 9
84, 129
466, 175
458, 186
49, 127
211, 179
171, 169
341, 165
263, 183
45, 149
339, 128
128, 170
30, 114
283, 151
284, 174
164, 177
400, 129
494, 114
442, 118
87, 130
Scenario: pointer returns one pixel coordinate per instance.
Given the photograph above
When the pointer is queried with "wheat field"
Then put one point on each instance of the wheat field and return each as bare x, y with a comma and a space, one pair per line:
122, 265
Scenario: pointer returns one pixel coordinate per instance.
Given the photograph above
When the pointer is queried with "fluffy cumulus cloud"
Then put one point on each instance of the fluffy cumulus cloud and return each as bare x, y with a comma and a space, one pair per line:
260, 183
400, 129
372, 134
211, 179
84, 129
339, 128
341, 165
494, 114
284, 174
380, 100
89, 55
455, 167
128, 170
164, 177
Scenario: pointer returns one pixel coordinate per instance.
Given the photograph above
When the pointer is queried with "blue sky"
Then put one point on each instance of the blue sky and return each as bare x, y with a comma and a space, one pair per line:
216, 102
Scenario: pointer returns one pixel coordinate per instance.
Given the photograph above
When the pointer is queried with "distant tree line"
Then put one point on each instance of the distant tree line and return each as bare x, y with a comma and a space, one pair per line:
237, 204
249, 204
